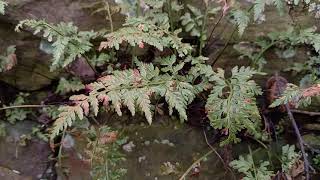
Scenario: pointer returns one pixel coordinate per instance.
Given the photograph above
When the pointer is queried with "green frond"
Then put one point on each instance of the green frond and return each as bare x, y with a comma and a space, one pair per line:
67, 41
132, 88
66, 86
241, 19
231, 105
138, 31
3, 4
252, 171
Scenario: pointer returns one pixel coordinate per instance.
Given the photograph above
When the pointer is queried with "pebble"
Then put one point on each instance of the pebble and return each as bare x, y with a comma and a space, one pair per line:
141, 158
128, 147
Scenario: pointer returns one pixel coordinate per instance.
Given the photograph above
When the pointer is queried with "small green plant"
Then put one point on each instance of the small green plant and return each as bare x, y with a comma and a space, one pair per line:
67, 86
8, 60
288, 158
316, 161
17, 114
254, 170
251, 169
103, 151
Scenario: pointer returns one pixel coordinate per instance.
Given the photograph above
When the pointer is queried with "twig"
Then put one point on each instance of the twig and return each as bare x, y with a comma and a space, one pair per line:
305, 112
215, 26
194, 163
24, 106
300, 140
225, 47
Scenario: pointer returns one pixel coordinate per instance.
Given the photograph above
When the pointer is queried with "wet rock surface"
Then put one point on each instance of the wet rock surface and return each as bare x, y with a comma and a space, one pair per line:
23, 162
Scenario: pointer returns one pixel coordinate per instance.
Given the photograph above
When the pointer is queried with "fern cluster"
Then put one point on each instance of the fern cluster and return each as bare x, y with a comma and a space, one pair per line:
231, 105
67, 41
3, 4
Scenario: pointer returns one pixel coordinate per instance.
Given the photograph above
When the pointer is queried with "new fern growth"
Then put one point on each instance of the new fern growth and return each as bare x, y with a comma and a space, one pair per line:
231, 105
67, 41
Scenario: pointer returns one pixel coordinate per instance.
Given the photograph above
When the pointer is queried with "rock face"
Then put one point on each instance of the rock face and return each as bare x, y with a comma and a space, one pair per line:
32, 71
28, 160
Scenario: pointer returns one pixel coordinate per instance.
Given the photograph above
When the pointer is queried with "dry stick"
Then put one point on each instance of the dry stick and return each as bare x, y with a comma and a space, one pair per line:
219, 156
24, 106
305, 112
194, 163
225, 47
300, 140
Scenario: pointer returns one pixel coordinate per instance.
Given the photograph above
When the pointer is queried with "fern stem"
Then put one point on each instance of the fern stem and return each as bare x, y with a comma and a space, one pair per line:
264, 50
109, 15
24, 106
61, 146
170, 15
138, 10
194, 163
203, 31
91, 66
300, 141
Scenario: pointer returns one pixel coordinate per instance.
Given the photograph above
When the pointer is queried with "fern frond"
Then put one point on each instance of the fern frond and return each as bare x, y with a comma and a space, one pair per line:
3, 4
241, 19
133, 89
66, 86
235, 109
297, 96
259, 6
138, 31
68, 42
247, 166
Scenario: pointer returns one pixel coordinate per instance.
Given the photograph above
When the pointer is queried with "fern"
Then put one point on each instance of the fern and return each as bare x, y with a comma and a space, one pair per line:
3, 4
133, 89
288, 157
297, 96
231, 105
66, 86
68, 43
138, 31
241, 19
17, 114
104, 155
8, 60
259, 7
247, 166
